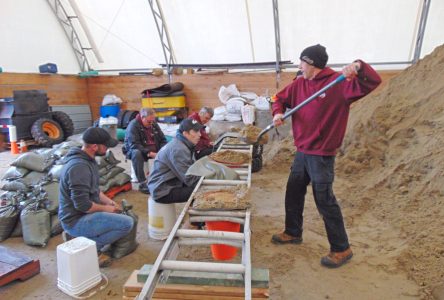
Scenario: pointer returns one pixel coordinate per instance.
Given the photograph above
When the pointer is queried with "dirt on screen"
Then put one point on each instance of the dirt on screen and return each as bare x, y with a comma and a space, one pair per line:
230, 157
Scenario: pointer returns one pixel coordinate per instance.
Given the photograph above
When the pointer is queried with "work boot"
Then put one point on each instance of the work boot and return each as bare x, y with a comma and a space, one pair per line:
143, 188
105, 260
337, 259
283, 238
66, 237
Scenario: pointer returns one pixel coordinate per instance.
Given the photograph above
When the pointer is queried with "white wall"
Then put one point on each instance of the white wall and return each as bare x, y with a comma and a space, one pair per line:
214, 31
30, 35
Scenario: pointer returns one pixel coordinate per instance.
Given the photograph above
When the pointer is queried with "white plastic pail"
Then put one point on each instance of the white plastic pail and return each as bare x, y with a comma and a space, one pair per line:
77, 266
161, 219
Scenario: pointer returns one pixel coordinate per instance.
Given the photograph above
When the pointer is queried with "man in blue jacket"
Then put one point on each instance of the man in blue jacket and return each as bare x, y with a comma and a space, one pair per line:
143, 139
83, 209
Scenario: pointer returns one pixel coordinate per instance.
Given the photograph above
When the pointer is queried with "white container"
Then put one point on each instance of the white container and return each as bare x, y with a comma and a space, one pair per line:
77, 266
110, 125
161, 219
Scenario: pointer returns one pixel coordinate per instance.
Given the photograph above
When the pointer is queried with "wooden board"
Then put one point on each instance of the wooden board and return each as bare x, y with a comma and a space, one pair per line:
15, 266
132, 288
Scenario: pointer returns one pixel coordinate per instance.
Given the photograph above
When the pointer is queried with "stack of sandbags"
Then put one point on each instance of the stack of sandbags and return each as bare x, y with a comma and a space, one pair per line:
30, 192
111, 175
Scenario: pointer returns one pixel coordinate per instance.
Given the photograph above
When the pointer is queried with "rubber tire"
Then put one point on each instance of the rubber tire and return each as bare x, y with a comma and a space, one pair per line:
47, 139
128, 117
64, 121
120, 117
256, 164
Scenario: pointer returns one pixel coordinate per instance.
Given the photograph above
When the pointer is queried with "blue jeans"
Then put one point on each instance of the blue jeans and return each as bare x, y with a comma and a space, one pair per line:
102, 227
319, 170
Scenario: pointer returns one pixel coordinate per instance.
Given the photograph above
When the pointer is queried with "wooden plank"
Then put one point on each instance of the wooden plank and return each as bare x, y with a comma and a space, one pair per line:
14, 265
260, 277
132, 288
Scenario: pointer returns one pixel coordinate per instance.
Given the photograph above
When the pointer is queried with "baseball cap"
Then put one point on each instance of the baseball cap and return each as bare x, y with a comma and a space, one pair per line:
97, 135
190, 124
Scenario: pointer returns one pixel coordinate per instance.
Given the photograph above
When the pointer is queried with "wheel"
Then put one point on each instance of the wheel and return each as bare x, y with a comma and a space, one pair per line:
47, 132
120, 117
128, 117
256, 164
65, 122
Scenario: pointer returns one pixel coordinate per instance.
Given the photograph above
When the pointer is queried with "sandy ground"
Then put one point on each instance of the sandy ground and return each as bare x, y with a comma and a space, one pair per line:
388, 182
295, 271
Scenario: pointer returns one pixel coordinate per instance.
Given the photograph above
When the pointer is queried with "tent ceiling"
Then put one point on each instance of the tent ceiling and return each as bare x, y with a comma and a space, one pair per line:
216, 32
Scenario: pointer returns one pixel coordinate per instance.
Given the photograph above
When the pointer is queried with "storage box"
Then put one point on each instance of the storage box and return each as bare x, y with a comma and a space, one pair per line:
48, 68
28, 102
109, 110
77, 266
164, 102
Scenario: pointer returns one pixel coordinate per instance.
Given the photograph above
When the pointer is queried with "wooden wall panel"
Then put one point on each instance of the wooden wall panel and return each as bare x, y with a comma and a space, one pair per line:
61, 89
201, 90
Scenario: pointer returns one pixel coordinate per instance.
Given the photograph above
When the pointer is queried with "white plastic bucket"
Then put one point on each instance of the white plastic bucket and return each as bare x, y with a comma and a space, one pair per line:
77, 266
161, 219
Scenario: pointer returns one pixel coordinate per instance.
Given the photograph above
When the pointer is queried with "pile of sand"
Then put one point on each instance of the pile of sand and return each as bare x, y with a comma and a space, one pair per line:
393, 158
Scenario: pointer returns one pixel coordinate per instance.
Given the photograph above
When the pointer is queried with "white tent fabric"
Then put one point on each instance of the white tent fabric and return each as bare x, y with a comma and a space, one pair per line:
215, 32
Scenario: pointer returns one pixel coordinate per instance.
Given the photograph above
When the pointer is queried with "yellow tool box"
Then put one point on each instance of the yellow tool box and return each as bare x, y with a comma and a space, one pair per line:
164, 102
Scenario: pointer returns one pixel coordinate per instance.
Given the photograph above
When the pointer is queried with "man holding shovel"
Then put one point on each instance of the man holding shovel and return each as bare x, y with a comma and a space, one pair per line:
318, 131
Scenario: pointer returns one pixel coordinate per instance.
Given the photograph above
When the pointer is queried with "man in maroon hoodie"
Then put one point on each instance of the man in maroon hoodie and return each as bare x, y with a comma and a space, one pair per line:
205, 146
318, 131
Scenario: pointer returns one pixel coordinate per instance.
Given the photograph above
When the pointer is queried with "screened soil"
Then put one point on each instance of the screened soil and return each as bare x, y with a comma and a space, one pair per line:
250, 134
223, 199
230, 157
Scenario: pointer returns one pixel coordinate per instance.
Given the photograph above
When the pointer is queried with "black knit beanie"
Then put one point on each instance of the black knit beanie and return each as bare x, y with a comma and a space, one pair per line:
315, 55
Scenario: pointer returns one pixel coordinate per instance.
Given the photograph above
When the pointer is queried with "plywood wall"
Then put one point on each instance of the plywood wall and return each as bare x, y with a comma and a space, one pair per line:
61, 89
201, 90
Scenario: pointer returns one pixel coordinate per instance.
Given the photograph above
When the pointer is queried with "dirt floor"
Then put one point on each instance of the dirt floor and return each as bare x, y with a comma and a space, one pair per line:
388, 182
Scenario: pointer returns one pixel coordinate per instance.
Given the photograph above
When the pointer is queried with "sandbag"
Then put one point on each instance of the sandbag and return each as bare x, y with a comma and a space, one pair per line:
110, 158
14, 186
55, 172
52, 202
34, 178
101, 162
15, 173
128, 243
119, 180
33, 161
17, 231
56, 226
8, 218
36, 225
211, 170
68, 145
112, 173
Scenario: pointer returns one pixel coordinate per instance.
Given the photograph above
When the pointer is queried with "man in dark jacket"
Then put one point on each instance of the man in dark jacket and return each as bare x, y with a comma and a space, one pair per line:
83, 209
168, 182
205, 146
318, 131
143, 139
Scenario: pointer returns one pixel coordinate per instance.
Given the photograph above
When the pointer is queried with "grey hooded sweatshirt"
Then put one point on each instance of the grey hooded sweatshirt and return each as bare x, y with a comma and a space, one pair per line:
170, 166
79, 187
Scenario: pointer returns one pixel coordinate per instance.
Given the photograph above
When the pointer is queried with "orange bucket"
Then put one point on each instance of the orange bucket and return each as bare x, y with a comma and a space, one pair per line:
221, 251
